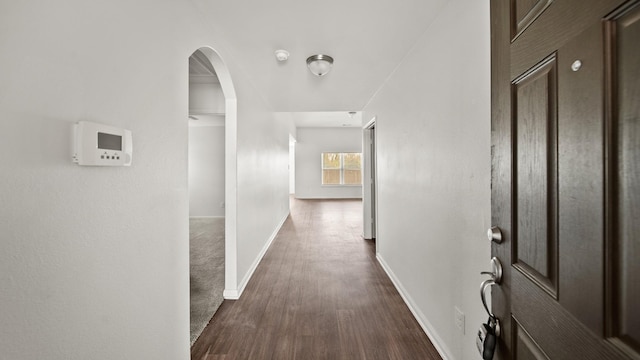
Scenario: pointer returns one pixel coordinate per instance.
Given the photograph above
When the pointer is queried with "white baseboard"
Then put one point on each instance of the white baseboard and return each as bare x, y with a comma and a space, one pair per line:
235, 294
230, 294
206, 217
428, 329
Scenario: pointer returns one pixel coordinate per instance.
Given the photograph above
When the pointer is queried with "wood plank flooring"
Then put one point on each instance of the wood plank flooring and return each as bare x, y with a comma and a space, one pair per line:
319, 293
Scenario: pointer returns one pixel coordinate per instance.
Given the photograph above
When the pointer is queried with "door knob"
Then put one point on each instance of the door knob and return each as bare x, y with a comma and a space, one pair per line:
495, 277
496, 270
494, 234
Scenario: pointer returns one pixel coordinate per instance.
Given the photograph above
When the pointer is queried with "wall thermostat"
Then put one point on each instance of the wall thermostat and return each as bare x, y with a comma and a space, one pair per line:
101, 145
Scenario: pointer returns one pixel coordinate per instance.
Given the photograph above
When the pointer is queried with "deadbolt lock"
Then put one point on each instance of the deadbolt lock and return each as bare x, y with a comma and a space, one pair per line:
494, 234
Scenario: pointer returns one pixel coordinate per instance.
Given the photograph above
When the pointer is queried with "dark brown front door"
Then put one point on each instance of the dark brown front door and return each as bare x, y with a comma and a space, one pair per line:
566, 177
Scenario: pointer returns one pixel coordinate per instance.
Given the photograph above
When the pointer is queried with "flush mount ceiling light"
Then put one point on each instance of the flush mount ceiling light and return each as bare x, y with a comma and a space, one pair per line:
282, 55
319, 64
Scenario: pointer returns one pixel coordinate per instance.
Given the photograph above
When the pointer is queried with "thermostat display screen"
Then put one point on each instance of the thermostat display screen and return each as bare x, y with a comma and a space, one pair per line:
109, 141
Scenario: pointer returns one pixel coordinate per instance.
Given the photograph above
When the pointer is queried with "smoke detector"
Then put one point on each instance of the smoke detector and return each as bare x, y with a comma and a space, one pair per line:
282, 55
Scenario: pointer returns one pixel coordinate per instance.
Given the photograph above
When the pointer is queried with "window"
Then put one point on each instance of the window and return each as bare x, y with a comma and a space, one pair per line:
341, 168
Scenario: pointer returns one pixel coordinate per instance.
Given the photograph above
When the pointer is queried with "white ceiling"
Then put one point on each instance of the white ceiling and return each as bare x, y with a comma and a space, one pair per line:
300, 119
200, 67
327, 119
202, 72
367, 39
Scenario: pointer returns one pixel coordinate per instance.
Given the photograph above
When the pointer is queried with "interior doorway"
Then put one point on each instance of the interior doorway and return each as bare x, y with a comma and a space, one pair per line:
369, 203
206, 193
292, 165
211, 159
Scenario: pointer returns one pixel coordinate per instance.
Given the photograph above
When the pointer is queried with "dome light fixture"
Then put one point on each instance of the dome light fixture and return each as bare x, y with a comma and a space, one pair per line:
319, 64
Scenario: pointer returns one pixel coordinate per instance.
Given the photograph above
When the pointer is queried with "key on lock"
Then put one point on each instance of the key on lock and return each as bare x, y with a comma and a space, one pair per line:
486, 339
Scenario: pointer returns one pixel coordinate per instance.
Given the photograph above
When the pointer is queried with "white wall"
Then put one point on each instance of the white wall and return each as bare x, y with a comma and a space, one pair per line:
263, 181
94, 260
206, 170
312, 142
285, 119
433, 147
205, 98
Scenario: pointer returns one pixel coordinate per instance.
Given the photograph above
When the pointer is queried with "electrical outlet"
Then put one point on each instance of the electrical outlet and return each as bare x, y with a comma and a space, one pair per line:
458, 317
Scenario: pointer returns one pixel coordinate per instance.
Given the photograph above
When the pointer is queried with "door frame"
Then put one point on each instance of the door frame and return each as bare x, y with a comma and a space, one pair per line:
231, 290
292, 165
369, 180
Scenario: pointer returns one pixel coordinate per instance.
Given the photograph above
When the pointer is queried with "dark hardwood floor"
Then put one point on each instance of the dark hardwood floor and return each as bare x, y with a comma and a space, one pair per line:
319, 293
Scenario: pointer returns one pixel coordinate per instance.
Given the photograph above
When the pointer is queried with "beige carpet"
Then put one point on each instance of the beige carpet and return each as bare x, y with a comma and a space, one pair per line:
206, 262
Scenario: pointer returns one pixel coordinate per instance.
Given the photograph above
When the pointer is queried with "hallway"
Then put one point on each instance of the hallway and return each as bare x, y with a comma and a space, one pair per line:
319, 293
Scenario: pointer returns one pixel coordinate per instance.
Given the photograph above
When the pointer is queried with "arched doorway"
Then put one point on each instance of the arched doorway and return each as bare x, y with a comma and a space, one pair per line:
212, 179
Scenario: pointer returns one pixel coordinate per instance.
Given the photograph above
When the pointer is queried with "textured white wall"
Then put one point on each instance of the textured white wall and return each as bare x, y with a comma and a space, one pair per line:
94, 260
206, 170
433, 138
312, 142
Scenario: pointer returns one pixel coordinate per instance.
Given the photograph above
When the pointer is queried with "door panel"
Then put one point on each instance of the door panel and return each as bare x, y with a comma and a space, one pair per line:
534, 153
525, 12
525, 347
560, 22
553, 328
626, 49
581, 178
566, 177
